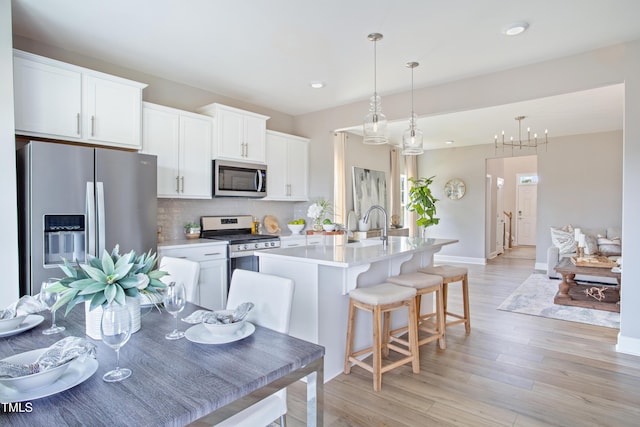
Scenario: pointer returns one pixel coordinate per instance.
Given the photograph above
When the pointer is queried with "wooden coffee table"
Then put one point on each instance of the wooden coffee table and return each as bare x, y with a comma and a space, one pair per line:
572, 293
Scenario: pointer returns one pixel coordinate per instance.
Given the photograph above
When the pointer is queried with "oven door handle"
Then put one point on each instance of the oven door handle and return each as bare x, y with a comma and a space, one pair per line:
241, 254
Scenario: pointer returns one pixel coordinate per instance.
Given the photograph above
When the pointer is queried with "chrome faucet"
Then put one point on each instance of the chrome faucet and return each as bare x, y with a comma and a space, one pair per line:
383, 237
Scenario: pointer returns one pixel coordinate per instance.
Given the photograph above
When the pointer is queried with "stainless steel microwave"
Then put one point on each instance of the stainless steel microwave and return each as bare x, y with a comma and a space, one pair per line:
239, 179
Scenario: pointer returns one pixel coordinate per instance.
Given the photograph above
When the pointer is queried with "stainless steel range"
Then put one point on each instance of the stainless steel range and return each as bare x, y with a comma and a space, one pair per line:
236, 230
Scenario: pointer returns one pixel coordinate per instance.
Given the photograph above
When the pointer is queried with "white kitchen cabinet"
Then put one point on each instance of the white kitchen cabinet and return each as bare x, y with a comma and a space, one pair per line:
182, 142
240, 135
301, 240
56, 100
212, 282
288, 167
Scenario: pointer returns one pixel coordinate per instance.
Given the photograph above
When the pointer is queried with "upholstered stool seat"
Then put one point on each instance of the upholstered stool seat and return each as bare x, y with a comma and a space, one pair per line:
452, 274
381, 300
425, 284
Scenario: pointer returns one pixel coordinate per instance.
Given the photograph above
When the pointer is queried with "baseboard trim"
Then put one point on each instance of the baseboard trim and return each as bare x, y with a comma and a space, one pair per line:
439, 259
628, 345
541, 266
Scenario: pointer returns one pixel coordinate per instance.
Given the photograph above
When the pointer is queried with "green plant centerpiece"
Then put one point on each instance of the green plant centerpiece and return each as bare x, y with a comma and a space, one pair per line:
108, 279
422, 202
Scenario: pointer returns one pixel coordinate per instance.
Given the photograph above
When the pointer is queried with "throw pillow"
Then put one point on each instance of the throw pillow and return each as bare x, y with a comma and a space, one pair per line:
564, 239
590, 244
609, 247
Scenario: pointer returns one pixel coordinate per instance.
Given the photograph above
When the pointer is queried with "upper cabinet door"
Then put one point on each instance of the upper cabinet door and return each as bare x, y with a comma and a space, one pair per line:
161, 136
195, 156
47, 99
254, 138
113, 112
298, 167
231, 143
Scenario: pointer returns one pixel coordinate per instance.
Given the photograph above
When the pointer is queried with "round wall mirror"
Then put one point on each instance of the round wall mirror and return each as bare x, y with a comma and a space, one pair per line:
454, 189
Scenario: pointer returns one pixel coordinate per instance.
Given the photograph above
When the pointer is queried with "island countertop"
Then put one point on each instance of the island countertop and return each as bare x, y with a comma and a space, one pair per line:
357, 253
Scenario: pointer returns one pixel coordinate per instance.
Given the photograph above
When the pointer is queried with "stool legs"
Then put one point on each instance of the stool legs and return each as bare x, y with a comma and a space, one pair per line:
465, 318
383, 341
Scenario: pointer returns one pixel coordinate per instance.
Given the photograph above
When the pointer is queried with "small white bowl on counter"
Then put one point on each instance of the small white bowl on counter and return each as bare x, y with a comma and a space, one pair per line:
329, 227
295, 228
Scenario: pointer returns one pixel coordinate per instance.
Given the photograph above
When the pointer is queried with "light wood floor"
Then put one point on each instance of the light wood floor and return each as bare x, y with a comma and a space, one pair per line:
512, 370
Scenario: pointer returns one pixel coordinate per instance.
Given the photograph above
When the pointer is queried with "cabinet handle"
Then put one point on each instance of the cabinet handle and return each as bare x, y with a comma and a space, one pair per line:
288, 189
213, 254
293, 245
182, 179
93, 120
177, 184
78, 123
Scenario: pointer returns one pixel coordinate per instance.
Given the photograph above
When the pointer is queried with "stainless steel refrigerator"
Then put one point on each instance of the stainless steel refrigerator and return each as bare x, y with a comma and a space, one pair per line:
77, 200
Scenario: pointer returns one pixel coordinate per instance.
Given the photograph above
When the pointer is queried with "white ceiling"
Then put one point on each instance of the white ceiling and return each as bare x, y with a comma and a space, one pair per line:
266, 52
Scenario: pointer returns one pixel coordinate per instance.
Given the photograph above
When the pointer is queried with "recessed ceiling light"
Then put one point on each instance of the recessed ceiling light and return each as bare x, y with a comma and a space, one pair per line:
449, 142
316, 84
515, 28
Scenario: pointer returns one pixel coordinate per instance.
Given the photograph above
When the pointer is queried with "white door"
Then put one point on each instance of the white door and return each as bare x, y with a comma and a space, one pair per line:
527, 205
499, 216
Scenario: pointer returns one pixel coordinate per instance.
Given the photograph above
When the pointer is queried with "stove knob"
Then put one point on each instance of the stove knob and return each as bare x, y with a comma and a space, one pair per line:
246, 247
256, 245
273, 243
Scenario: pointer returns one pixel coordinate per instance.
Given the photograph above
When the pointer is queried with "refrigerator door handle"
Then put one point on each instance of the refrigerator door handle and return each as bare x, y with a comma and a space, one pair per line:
100, 217
90, 212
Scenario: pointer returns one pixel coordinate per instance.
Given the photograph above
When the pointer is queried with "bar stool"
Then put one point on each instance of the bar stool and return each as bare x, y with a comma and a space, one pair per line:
451, 274
381, 300
425, 284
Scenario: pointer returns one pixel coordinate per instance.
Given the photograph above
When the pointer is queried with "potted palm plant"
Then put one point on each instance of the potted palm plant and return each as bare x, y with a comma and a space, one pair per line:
422, 202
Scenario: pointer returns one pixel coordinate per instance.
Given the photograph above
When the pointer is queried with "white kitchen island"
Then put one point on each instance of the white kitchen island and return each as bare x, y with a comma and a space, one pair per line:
324, 275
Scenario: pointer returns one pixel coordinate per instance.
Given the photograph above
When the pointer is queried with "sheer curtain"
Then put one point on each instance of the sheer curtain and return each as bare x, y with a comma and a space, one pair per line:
394, 184
411, 171
339, 180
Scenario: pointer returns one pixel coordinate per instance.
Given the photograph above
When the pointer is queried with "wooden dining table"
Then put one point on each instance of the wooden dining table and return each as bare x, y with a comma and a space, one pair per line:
173, 383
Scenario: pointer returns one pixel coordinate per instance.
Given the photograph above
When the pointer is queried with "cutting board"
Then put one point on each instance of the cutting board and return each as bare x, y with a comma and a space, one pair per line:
271, 225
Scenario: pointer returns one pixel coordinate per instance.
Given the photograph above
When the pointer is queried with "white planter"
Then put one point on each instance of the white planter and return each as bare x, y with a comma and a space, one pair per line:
94, 317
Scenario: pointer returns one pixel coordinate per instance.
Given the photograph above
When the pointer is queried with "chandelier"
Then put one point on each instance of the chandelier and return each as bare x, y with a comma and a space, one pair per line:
522, 143
375, 123
412, 138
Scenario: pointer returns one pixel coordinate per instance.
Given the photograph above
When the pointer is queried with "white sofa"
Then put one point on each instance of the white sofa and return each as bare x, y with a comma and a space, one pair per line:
594, 236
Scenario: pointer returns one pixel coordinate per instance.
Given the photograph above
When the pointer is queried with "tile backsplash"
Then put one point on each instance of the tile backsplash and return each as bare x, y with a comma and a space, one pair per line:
174, 213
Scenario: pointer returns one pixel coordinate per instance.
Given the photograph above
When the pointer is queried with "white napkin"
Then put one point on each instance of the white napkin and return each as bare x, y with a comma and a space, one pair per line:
63, 351
26, 305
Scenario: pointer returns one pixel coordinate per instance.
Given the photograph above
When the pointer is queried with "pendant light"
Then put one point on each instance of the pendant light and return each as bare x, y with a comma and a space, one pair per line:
375, 123
412, 137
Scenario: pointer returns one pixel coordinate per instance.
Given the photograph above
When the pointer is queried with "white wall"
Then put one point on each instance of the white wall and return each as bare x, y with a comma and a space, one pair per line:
9, 248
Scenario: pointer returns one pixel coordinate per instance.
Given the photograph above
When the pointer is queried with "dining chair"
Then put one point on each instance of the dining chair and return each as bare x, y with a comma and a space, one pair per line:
182, 270
272, 297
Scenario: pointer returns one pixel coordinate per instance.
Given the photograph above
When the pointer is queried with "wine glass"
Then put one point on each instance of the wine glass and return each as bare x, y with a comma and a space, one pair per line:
115, 329
174, 300
49, 299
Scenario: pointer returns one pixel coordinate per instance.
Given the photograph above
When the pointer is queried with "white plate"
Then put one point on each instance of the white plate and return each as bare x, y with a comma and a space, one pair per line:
31, 321
199, 334
77, 373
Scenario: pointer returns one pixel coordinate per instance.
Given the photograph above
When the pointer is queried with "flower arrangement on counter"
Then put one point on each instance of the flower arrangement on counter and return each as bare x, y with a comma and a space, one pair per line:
107, 279
317, 211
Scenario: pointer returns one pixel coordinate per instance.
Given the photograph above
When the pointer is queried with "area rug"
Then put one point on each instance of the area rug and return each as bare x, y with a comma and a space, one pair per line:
535, 296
